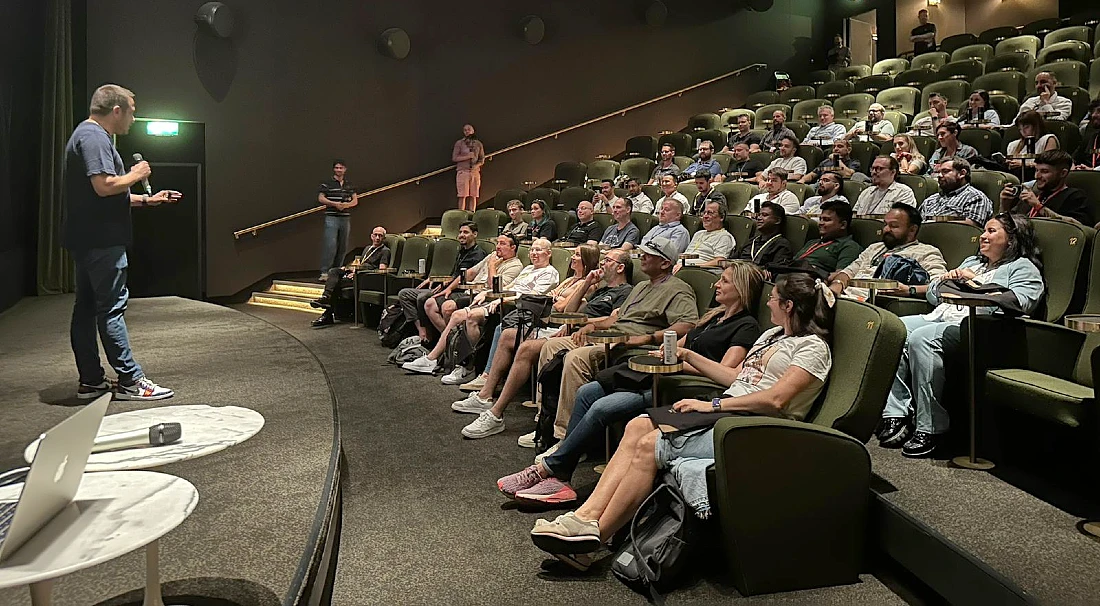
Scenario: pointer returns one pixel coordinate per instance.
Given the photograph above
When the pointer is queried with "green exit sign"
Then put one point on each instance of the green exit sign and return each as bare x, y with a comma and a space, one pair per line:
162, 129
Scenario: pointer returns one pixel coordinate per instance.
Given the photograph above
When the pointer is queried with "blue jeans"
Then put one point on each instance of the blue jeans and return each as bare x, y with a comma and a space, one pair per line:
334, 242
593, 411
101, 297
918, 386
493, 349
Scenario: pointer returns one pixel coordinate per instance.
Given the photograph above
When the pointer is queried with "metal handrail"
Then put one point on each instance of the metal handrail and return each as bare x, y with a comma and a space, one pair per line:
621, 112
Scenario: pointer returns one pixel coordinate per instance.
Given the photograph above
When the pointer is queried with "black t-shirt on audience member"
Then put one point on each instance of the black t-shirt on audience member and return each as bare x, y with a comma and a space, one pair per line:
373, 257
1069, 202
923, 47
712, 338
583, 232
467, 258
606, 299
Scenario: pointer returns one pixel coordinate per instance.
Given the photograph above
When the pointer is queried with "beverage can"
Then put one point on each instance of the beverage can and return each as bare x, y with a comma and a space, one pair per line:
421, 266
670, 347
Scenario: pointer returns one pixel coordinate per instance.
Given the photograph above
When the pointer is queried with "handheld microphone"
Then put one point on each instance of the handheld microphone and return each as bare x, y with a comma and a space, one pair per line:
160, 434
144, 182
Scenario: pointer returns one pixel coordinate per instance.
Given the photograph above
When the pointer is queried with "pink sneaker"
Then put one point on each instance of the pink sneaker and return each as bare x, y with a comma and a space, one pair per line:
521, 480
550, 490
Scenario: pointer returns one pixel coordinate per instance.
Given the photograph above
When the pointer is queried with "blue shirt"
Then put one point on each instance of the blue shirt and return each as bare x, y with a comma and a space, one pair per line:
674, 231
92, 221
710, 166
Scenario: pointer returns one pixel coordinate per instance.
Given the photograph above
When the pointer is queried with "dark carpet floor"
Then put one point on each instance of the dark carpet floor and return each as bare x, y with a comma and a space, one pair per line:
423, 521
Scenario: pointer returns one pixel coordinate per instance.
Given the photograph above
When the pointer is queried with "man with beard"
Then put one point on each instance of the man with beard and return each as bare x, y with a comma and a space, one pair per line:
1087, 156
937, 114
639, 201
743, 167
957, 197
666, 166
885, 190
603, 199
707, 193
742, 134
777, 132
874, 128
829, 187
1051, 198
787, 159
899, 237
835, 248
768, 246
1047, 101
840, 162
468, 155
706, 163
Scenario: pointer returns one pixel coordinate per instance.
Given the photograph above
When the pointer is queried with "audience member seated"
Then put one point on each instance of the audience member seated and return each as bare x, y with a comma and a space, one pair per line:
781, 376
668, 188
979, 112
535, 279
516, 226
829, 188
827, 131
840, 162
742, 134
664, 302
713, 242
777, 133
585, 260
542, 226
586, 229
1051, 197
899, 240
769, 245
788, 159
874, 128
775, 190
957, 197
1047, 101
914, 418
1034, 139
332, 300
603, 292
947, 134
937, 115
835, 248
621, 233
707, 193
910, 160
426, 305
743, 167
668, 225
665, 167
1087, 156
639, 201
885, 190
602, 200
714, 349
705, 163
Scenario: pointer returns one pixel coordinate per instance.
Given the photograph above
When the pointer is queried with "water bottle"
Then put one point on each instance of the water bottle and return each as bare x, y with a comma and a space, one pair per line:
670, 347
421, 266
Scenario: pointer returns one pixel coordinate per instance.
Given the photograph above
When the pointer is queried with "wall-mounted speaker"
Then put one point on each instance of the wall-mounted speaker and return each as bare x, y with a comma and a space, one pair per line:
655, 13
394, 43
216, 19
532, 28
759, 6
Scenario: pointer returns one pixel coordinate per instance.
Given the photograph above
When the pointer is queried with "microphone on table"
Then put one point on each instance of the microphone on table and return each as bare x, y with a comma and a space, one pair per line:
160, 434
144, 182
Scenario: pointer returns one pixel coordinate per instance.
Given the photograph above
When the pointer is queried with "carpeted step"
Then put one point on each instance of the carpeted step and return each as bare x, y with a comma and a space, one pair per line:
298, 288
282, 300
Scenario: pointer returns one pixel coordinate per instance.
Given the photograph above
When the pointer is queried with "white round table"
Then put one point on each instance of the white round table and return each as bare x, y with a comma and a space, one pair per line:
206, 430
112, 514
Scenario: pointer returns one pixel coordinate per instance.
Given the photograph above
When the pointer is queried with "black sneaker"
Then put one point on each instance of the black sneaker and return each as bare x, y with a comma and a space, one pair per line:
90, 391
325, 320
922, 444
893, 432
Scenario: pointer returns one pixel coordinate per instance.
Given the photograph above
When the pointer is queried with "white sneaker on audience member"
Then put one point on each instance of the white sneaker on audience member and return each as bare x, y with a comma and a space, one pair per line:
483, 426
476, 384
423, 364
527, 440
549, 451
472, 404
457, 376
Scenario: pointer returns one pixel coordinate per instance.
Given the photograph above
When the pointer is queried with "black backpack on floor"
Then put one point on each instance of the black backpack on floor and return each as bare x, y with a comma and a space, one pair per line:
550, 380
393, 326
659, 543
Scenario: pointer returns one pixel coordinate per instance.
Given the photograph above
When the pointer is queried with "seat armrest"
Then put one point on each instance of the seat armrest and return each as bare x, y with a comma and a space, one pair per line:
1029, 344
902, 306
673, 388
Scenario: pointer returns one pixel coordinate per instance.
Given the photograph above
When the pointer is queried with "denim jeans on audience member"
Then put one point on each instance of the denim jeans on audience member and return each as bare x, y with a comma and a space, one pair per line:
593, 411
918, 386
101, 297
493, 349
334, 242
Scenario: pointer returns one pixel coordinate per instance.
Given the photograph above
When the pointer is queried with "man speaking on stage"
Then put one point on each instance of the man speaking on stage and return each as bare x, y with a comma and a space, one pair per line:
96, 231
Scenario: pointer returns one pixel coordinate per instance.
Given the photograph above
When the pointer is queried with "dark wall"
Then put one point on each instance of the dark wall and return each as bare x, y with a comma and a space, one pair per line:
21, 49
301, 83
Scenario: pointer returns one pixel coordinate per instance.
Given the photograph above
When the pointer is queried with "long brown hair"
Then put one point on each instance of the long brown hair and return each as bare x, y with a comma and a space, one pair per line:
811, 314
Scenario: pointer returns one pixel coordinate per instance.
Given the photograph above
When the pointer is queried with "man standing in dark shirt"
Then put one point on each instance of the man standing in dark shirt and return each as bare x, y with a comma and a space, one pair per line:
338, 196
923, 36
586, 229
96, 231
332, 300
839, 55
1052, 198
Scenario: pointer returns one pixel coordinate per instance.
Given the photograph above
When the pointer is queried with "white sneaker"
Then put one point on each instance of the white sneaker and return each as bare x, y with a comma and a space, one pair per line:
476, 384
143, 389
457, 376
422, 365
483, 426
527, 440
472, 404
549, 451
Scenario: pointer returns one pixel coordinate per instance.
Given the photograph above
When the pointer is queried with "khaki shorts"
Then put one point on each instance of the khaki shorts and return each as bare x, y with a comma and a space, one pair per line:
468, 183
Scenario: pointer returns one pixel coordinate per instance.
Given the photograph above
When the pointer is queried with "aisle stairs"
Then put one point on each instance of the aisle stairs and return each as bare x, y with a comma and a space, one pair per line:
289, 294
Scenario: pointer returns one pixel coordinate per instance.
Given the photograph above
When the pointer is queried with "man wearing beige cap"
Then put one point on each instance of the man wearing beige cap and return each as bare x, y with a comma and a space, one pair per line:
874, 128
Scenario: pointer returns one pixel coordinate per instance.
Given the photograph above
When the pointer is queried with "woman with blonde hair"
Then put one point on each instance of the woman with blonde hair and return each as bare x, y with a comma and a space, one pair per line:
910, 160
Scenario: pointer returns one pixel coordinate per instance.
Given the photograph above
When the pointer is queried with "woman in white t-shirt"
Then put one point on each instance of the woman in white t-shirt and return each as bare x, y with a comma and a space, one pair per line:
780, 376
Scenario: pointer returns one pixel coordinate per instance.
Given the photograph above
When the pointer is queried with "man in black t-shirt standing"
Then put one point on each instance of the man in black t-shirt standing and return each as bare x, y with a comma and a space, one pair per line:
923, 36
338, 197
96, 231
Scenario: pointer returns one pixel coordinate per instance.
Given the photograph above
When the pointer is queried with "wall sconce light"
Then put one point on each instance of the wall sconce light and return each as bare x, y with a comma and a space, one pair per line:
933, 2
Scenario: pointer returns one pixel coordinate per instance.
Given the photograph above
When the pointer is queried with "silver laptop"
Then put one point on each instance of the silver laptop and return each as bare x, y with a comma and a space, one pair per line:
53, 478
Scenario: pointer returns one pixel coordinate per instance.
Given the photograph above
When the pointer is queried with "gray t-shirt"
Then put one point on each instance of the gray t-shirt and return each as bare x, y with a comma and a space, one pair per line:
91, 221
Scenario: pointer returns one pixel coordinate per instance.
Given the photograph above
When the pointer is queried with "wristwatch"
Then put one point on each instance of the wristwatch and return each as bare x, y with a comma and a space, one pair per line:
912, 291
144, 199
716, 404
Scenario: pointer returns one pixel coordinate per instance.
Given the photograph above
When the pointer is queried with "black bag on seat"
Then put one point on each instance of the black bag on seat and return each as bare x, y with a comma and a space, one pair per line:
658, 546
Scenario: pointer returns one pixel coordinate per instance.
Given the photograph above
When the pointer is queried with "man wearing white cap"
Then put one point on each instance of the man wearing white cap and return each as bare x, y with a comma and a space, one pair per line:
874, 128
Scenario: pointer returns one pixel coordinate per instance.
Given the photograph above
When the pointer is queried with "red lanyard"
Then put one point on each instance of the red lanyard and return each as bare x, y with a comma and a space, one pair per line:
814, 248
1035, 210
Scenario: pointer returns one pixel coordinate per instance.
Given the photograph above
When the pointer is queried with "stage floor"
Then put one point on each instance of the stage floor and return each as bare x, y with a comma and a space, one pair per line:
258, 501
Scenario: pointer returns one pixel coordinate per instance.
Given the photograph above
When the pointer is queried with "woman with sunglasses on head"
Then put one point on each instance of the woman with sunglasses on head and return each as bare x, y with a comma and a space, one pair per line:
780, 376
1007, 256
